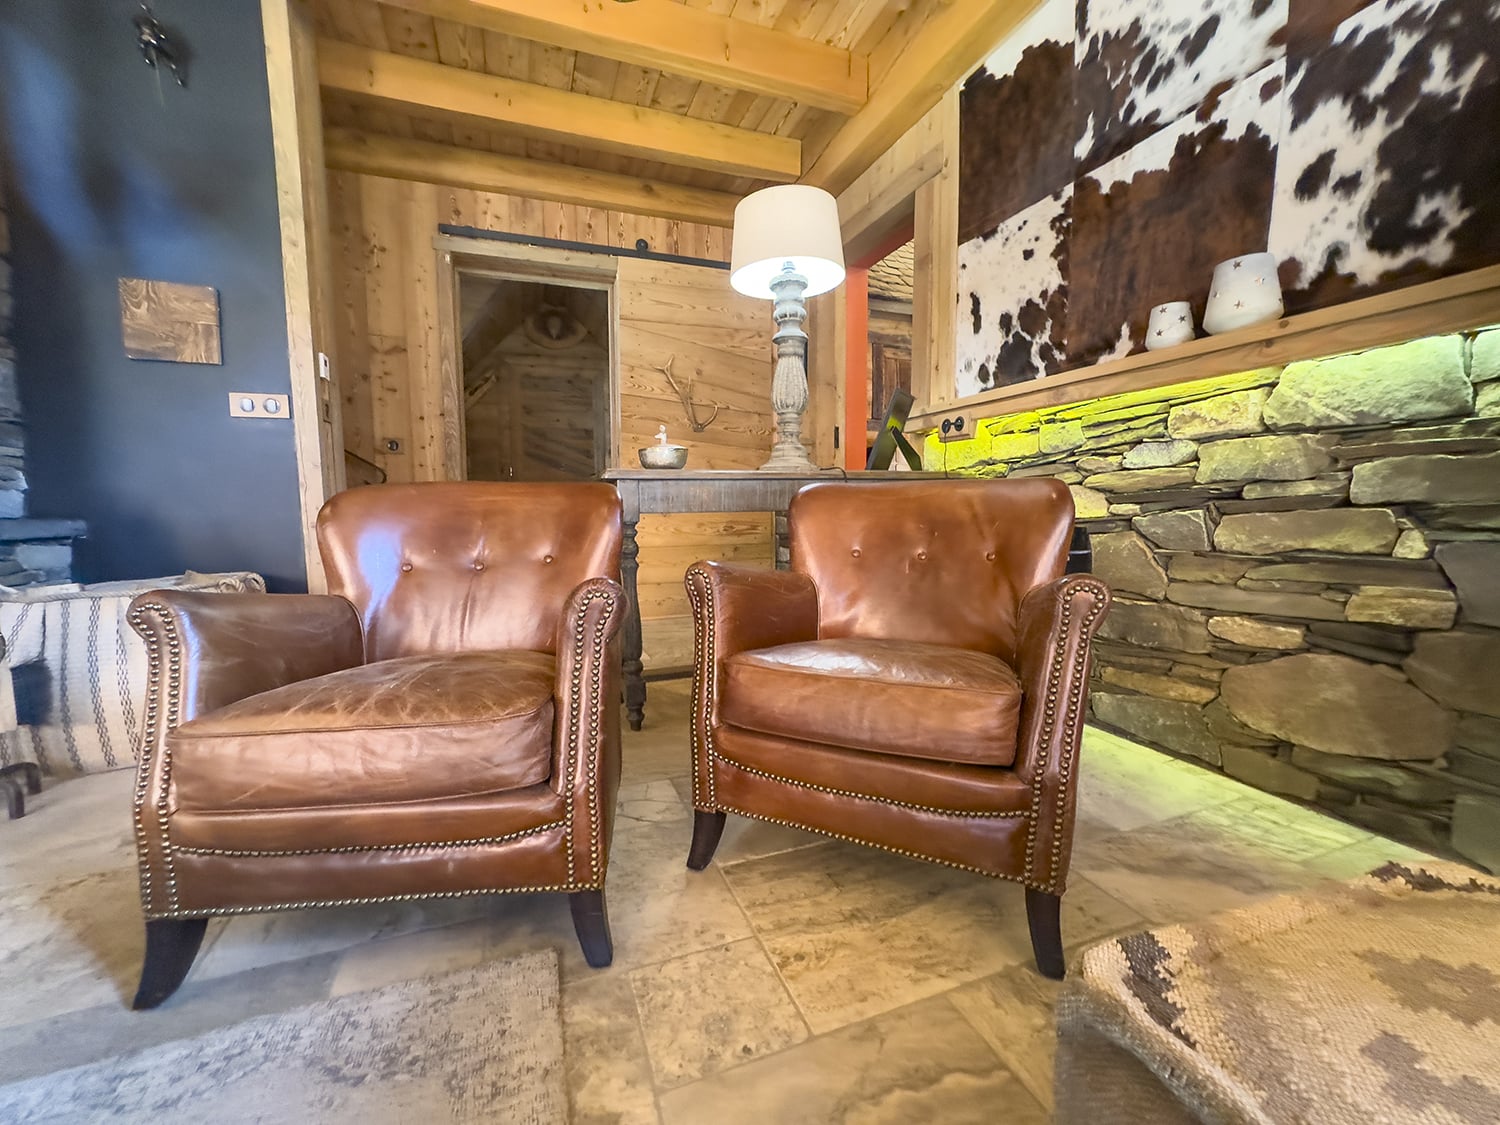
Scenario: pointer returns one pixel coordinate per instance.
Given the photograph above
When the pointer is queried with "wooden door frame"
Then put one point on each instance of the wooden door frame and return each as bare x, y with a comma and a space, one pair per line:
513, 261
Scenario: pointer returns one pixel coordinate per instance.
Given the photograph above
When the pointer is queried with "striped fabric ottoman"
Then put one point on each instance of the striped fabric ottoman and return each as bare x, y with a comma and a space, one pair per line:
1363, 1003
79, 670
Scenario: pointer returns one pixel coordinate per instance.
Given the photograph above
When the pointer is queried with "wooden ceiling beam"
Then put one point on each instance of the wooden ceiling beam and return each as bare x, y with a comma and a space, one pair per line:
956, 38
558, 116
678, 39
347, 150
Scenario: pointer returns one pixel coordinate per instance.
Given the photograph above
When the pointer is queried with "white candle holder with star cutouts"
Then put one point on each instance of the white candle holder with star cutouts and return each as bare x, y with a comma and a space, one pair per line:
1245, 291
1170, 324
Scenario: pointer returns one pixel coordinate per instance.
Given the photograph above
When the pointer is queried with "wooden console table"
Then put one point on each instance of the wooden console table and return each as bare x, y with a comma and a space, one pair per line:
682, 491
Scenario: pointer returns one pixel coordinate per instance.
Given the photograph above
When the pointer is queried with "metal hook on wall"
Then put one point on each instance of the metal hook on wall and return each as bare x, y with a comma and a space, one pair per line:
157, 47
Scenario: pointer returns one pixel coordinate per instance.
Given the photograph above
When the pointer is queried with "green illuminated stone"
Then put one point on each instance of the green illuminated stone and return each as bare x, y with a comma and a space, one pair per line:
1418, 379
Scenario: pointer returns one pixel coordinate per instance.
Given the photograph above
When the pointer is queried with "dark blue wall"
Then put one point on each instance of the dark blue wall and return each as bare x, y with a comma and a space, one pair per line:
110, 176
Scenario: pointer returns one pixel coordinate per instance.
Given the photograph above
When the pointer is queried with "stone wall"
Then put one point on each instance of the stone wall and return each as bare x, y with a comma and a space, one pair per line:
31, 551
1307, 569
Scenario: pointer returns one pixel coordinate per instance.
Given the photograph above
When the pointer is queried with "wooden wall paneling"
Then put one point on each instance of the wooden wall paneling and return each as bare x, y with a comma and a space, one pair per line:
302, 202
352, 372
386, 285
935, 273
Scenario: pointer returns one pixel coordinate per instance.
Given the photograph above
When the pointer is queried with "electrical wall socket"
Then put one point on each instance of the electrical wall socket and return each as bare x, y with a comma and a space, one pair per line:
955, 434
245, 404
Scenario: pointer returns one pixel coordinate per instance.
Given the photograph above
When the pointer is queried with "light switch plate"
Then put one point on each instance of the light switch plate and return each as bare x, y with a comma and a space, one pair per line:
247, 404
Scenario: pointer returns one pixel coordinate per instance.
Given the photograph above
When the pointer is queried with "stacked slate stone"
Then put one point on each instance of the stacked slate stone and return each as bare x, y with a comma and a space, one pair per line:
31, 551
1307, 569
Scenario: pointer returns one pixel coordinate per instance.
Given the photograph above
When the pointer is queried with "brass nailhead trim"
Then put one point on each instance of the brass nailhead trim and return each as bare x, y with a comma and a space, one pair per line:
353, 848
705, 677
1071, 732
204, 911
881, 847
148, 744
868, 797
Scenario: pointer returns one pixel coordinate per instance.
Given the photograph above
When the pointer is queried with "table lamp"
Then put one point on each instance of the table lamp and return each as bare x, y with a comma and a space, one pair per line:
787, 247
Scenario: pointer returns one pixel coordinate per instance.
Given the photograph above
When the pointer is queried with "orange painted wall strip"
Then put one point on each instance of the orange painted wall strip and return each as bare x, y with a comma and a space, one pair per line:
856, 365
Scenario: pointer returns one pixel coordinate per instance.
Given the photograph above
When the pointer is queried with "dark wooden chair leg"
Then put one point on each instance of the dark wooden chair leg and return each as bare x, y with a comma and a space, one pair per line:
707, 828
591, 923
15, 799
171, 945
1044, 916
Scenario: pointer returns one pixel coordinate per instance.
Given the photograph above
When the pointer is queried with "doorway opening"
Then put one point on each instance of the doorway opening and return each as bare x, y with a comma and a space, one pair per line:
535, 372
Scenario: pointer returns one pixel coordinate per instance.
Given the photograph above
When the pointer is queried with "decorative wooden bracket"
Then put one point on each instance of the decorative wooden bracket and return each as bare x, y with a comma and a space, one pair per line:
687, 399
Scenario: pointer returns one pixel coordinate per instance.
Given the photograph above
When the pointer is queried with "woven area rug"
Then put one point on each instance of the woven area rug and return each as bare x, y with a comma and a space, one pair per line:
479, 1045
1375, 1002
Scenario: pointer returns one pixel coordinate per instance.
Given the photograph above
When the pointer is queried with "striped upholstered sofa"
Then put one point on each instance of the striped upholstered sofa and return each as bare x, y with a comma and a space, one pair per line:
78, 671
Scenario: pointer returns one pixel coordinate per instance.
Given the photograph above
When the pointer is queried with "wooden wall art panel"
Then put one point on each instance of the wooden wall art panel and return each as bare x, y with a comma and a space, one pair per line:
167, 321
1356, 140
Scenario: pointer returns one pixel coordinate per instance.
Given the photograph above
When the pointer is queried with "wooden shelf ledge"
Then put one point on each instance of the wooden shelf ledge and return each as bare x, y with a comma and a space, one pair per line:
1450, 304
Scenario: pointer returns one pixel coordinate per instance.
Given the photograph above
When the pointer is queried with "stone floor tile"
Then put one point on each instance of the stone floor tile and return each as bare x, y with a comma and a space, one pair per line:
923, 1063
1180, 870
1360, 858
445, 949
1014, 1011
1278, 827
72, 828
691, 1031
855, 931
1124, 786
608, 1072
652, 801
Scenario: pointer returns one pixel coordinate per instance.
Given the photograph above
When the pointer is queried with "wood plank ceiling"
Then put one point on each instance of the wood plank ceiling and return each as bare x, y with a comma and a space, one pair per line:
670, 107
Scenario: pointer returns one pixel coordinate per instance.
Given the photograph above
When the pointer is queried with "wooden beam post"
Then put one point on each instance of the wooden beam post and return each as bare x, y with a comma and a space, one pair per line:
558, 116
424, 162
680, 39
306, 261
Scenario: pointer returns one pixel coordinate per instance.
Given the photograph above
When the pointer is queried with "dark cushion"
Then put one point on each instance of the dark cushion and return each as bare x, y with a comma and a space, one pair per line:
893, 697
410, 729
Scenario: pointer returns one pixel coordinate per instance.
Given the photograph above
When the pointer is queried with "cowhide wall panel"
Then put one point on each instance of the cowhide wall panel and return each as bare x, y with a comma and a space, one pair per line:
1143, 64
1149, 226
1021, 267
1011, 150
1390, 153
1358, 140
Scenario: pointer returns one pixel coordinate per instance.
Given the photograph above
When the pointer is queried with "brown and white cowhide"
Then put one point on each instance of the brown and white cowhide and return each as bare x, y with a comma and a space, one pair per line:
1013, 298
1389, 171
1012, 149
1144, 63
1149, 226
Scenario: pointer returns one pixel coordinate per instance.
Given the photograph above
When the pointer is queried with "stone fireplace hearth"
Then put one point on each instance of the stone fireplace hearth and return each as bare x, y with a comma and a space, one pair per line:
1307, 568
32, 551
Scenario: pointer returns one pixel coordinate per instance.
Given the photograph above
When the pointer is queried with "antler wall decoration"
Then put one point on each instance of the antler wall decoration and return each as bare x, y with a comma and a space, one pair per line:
687, 399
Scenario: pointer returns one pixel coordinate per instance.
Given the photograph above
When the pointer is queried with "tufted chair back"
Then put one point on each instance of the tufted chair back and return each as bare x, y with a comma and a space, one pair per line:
943, 561
465, 566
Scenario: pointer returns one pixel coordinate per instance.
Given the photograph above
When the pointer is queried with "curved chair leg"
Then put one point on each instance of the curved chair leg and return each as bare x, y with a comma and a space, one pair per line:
591, 923
707, 828
15, 799
1043, 916
171, 945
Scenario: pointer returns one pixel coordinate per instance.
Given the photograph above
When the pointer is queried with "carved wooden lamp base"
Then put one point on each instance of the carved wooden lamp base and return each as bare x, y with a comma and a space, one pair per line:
789, 384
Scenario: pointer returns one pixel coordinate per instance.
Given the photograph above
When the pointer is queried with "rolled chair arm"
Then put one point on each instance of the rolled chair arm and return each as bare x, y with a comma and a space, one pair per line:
205, 651
738, 609
586, 762
1053, 658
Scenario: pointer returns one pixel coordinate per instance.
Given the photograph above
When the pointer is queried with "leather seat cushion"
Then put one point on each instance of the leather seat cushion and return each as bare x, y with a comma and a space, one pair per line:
892, 697
410, 729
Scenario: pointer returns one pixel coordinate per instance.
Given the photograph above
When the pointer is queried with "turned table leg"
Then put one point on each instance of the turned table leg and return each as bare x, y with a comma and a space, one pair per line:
635, 682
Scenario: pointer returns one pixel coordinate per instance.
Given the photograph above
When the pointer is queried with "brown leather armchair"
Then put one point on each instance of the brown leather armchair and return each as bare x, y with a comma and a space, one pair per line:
917, 681
444, 723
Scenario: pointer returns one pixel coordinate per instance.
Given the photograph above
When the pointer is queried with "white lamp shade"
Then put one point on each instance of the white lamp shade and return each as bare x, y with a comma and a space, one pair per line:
789, 223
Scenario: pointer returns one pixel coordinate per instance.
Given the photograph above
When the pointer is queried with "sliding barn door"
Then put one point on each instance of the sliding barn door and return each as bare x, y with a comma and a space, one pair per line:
692, 349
